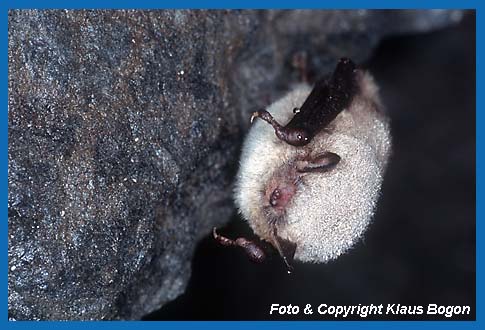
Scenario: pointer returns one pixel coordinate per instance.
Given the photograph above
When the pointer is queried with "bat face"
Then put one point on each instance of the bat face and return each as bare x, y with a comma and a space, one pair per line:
313, 200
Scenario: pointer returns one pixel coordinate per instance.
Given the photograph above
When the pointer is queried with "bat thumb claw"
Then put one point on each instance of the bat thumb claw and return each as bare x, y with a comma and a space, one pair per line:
254, 115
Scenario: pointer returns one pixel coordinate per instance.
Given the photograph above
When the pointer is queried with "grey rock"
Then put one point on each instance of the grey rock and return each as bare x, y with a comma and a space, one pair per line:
124, 129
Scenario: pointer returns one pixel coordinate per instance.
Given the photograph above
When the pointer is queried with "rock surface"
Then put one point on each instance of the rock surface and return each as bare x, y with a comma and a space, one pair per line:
124, 129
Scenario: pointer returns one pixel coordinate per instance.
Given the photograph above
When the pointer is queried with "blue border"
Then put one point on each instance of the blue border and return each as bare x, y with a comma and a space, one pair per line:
238, 4
479, 164
252, 325
333, 4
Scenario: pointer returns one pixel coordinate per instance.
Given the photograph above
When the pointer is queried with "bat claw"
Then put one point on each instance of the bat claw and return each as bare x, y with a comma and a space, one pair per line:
254, 115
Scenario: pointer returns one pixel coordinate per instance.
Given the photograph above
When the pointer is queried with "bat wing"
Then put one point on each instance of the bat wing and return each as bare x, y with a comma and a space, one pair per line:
328, 98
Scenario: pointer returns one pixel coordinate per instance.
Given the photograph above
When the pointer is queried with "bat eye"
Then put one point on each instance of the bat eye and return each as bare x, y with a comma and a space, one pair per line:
296, 110
299, 137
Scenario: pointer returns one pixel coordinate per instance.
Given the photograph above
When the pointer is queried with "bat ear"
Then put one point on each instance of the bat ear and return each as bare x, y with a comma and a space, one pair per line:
286, 249
322, 163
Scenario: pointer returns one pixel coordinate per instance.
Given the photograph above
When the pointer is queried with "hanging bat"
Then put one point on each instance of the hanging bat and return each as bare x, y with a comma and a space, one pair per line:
311, 169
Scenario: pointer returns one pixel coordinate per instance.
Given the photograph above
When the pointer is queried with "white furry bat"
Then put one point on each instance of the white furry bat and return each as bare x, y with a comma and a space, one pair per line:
308, 183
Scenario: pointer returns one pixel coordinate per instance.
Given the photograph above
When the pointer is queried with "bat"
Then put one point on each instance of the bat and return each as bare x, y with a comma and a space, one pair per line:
311, 168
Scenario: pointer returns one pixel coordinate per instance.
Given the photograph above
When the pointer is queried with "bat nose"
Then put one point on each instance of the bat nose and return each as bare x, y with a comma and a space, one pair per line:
282, 195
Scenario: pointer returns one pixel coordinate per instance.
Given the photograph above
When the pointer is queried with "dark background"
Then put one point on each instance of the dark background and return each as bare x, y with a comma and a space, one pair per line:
420, 248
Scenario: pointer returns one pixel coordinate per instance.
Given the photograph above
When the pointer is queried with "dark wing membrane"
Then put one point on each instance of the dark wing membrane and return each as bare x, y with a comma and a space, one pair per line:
327, 99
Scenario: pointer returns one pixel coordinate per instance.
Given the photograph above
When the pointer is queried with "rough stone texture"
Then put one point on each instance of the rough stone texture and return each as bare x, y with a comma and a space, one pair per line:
124, 129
